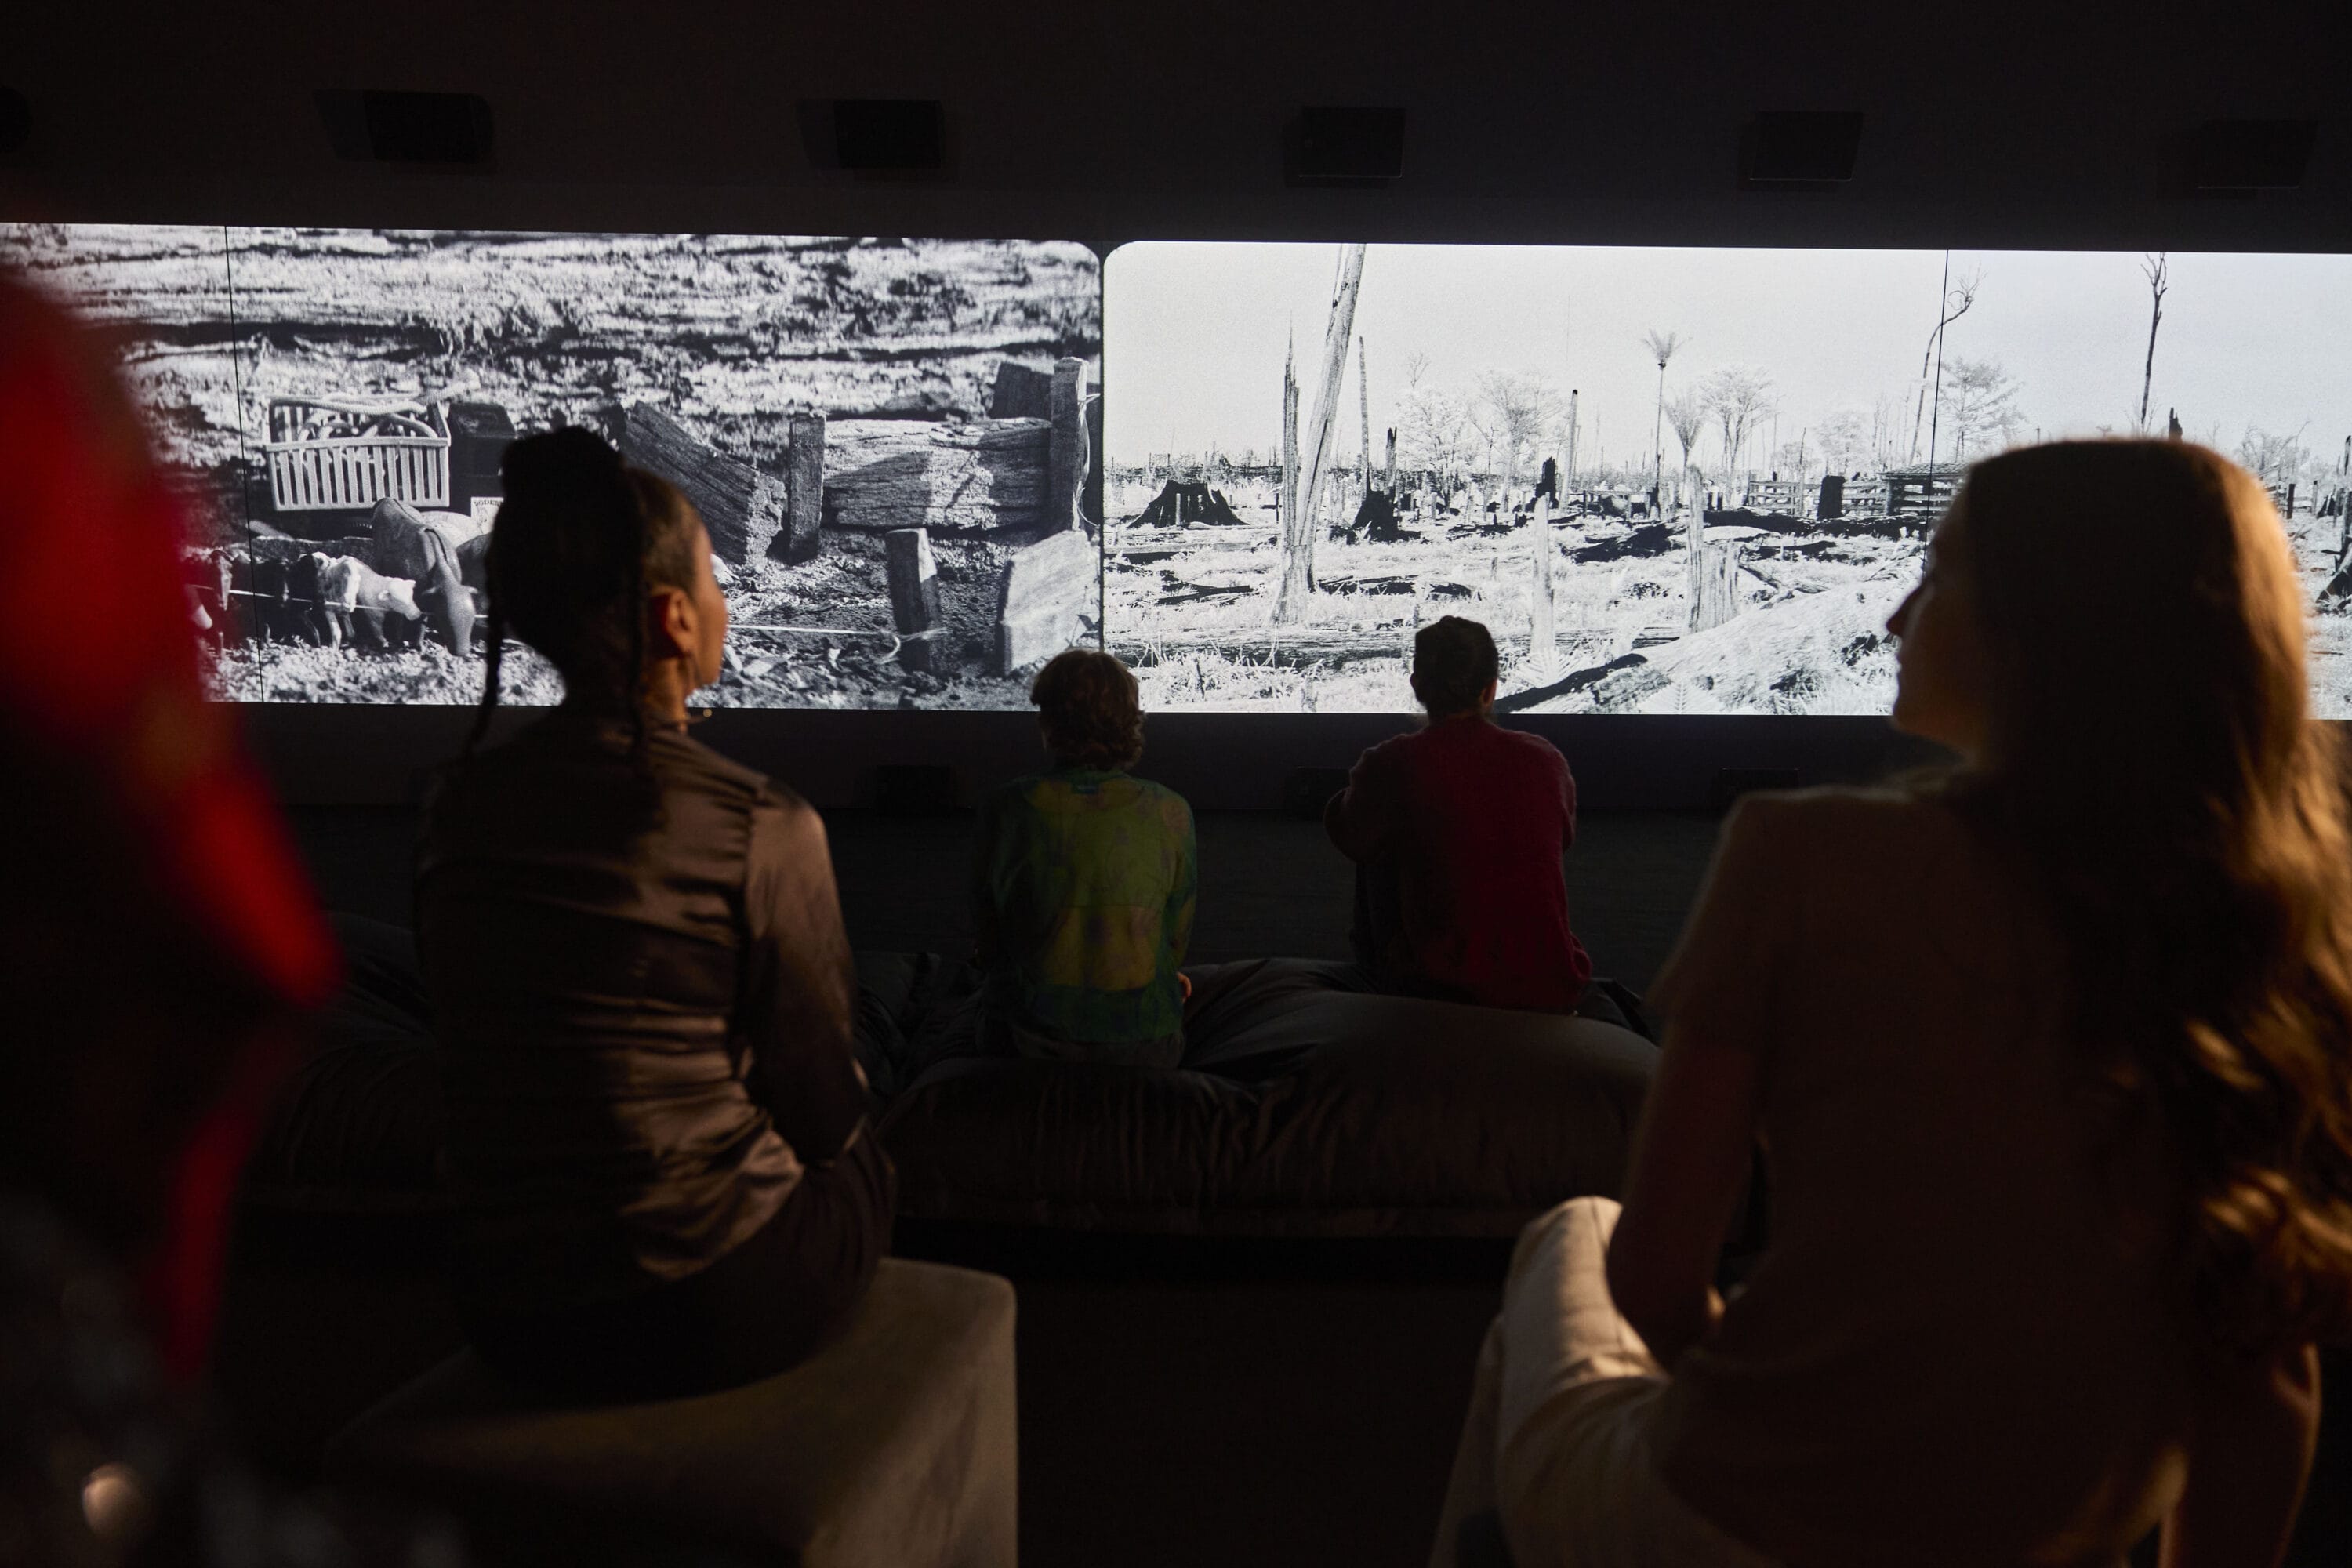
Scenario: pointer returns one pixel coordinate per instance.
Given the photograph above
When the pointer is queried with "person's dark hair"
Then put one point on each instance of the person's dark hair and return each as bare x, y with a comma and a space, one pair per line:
1452, 662
2151, 752
1090, 710
580, 539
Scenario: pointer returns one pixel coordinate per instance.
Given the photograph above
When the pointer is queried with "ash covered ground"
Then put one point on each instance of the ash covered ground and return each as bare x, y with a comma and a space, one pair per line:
730, 335
1192, 608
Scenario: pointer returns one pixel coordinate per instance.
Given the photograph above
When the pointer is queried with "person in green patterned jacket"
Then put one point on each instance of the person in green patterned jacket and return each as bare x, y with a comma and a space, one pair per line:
1083, 885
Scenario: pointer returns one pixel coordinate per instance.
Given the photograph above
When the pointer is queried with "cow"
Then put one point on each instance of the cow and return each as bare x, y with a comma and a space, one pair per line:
423, 548
354, 598
270, 607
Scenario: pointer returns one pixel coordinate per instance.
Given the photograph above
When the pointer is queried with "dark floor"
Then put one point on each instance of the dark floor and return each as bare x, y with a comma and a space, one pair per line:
1181, 1403
1183, 1418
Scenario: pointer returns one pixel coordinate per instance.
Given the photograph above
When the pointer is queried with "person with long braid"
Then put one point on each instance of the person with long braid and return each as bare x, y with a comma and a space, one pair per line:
657, 1127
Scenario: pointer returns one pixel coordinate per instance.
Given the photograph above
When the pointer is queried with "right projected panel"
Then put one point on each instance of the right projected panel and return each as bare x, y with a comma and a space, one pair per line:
1667, 480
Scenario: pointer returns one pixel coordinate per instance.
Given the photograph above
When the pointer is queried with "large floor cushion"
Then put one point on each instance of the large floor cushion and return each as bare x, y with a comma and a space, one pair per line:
1305, 1106
894, 1445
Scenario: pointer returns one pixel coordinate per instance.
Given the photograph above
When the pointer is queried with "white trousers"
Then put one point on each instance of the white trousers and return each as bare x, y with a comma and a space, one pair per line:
1560, 1436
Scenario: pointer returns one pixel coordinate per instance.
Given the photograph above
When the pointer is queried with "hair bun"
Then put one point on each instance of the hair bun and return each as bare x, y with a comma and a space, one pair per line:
563, 466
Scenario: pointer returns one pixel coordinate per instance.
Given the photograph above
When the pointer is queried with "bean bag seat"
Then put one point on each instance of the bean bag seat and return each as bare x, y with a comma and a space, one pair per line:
1305, 1105
893, 1446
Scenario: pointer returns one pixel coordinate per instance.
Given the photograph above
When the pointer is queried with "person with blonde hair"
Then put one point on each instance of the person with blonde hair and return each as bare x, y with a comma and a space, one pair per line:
1083, 885
2048, 1055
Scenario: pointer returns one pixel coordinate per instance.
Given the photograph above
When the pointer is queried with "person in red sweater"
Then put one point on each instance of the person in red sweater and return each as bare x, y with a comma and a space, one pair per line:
1457, 831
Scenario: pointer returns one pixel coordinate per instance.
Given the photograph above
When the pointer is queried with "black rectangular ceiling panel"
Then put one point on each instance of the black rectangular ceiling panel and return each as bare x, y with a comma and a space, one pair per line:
2252, 154
1800, 147
889, 135
1347, 145
408, 127
16, 119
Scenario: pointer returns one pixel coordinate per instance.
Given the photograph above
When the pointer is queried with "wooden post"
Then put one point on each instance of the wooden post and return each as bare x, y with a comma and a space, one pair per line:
1364, 406
1299, 544
914, 597
1046, 594
803, 488
1543, 644
1066, 452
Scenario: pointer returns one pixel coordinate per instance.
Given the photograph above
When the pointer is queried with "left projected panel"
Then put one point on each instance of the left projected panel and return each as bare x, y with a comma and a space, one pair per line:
893, 441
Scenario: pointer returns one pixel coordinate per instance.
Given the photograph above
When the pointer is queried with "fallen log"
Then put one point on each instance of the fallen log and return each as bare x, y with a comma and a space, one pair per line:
983, 477
741, 506
1621, 681
1287, 646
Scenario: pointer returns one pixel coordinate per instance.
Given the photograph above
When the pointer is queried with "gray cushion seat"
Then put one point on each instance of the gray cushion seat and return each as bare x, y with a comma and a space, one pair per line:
1305, 1106
894, 1445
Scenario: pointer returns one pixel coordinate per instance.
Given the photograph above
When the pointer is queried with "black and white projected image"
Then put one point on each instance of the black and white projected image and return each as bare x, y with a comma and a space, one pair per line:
1668, 481
891, 440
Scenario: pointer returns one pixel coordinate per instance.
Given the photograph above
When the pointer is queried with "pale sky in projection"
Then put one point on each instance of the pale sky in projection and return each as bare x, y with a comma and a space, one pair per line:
1194, 336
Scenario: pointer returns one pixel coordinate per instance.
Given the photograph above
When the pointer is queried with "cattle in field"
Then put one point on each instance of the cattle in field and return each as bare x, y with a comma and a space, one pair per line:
354, 598
270, 606
423, 548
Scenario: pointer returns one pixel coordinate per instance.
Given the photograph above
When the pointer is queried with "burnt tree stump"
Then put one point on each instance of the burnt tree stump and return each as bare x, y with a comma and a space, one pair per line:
741, 506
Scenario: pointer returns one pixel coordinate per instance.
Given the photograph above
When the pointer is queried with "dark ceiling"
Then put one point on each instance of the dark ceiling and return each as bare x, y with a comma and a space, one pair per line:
2024, 122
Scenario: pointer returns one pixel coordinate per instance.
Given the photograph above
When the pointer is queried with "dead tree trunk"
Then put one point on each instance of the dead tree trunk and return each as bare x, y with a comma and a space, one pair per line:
1364, 406
2158, 271
1714, 572
1568, 473
914, 597
1543, 646
1285, 500
1299, 544
1388, 479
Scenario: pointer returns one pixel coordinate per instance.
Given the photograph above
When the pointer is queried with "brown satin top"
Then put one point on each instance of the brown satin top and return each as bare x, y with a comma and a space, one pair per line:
644, 1029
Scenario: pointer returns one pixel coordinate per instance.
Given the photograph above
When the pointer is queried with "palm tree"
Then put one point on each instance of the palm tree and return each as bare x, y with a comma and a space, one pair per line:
1661, 347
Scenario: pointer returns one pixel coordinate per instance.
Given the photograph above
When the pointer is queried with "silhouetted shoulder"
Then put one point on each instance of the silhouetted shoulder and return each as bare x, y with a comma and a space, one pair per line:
1534, 745
1842, 815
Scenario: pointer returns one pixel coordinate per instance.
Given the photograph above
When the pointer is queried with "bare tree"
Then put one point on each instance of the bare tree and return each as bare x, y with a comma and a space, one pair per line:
1978, 399
1661, 347
2276, 460
1433, 431
1738, 395
1687, 412
1845, 440
2158, 275
1956, 303
1520, 409
1416, 369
